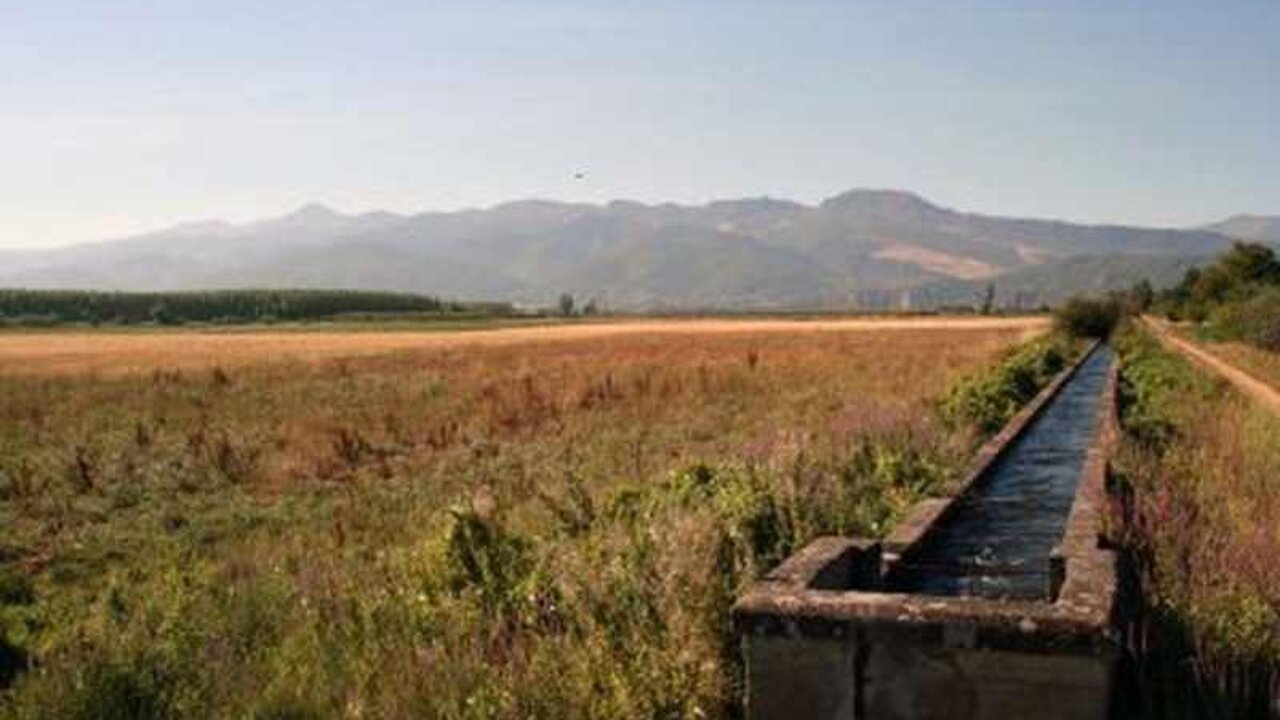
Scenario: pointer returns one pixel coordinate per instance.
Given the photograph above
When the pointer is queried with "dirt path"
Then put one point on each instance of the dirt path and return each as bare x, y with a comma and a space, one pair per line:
115, 352
1246, 383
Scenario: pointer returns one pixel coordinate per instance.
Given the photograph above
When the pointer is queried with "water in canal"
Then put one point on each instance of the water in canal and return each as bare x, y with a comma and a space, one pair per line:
996, 541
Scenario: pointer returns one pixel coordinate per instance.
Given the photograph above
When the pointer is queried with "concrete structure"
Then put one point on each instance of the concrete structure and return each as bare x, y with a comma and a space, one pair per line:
822, 638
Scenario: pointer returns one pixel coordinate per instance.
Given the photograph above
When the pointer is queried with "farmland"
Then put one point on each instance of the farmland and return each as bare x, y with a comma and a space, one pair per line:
541, 521
121, 352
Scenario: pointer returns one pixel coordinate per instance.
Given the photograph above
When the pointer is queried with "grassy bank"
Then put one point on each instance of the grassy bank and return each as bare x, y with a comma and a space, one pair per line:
538, 530
1204, 468
985, 401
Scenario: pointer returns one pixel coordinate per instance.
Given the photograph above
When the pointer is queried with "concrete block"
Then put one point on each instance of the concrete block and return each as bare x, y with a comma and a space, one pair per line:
789, 678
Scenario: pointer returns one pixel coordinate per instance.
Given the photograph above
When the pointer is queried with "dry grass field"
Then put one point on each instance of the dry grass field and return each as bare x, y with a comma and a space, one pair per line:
1260, 364
114, 352
520, 523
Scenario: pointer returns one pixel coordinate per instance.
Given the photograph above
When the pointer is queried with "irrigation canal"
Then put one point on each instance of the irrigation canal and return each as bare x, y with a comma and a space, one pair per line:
996, 541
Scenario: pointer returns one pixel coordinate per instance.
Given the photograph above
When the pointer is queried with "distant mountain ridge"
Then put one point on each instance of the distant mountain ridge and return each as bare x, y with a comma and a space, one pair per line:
861, 248
1264, 228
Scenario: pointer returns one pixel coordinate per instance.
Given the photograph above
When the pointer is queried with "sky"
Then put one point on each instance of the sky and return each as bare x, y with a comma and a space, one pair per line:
117, 117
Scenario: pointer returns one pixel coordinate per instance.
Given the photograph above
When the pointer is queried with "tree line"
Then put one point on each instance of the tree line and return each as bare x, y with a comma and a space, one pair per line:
1237, 297
55, 307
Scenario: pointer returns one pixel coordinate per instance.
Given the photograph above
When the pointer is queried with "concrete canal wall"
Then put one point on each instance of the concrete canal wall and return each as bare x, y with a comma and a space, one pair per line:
831, 634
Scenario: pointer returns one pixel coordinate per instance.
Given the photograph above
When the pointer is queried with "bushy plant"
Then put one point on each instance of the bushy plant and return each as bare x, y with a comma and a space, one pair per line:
1153, 386
16, 598
1239, 293
1084, 317
1255, 320
987, 400
497, 566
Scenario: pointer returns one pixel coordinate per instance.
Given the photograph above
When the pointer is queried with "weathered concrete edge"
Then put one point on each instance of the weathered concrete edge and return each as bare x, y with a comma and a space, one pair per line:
925, 514
1023, 626
1087, 569
803, 596
829, 562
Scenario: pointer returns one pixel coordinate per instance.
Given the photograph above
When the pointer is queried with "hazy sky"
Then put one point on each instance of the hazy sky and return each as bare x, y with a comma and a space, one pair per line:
117, 117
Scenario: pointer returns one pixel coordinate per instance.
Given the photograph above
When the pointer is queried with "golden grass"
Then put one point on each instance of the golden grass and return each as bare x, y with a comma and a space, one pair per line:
63, 352
1253, 371
1259, 363
528, 523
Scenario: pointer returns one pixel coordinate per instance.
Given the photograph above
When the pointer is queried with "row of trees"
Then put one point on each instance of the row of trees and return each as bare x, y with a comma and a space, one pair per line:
1238, 296
217, 306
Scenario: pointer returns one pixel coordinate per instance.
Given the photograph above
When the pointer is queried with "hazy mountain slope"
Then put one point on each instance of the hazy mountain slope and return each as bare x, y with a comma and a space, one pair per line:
189, 255
368, 266
905, 218
880, 218
701, 268
1250, 227
1053, 282
13, 261
857, 247
137, 270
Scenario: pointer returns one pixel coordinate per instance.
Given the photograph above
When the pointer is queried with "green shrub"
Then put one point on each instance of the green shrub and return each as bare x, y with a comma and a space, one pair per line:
989, 399
487, 559
15, 588
13, 660
16, 597
1153, 383
108, 691
1255, 320
1088, 317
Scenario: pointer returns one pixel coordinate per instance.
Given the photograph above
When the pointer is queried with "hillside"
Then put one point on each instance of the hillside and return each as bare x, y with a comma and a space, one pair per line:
1051, 283
859, 248
1250, 227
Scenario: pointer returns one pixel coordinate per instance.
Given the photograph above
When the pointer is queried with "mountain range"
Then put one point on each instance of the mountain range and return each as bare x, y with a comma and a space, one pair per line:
862, 248
1264, 228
